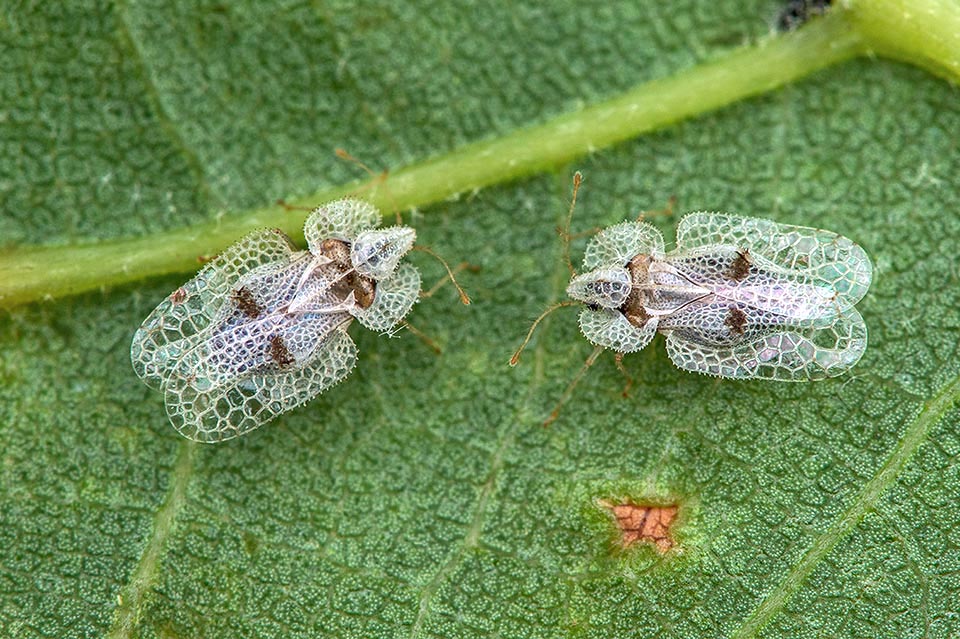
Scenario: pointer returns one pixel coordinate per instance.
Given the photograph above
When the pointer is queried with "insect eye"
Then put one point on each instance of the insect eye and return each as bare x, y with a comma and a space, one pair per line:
605, 288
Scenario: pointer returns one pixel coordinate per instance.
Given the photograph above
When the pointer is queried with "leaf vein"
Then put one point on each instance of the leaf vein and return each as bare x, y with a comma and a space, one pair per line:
164, 118
471, 539
352, 81
915, 434
131, 597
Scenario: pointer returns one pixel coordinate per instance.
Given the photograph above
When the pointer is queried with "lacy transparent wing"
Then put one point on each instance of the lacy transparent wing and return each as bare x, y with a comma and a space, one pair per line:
341, 219
821, 349
611, 329
394, 298
191, 308
209, 406
715, 321
827, 257
249, 313
618, 244
723, 270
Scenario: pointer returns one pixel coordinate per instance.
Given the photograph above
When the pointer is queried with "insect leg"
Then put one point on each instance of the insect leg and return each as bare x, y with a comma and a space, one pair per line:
665, 211
292, 207
376, 180
426, 339
618, 360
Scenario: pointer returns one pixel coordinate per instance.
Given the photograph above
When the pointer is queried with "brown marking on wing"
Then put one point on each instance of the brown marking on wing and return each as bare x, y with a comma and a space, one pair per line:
279, 352
740, 267
247, 304
736, 320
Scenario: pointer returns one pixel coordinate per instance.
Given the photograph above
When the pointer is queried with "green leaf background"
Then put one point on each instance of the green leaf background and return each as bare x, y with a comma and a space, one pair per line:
421, 497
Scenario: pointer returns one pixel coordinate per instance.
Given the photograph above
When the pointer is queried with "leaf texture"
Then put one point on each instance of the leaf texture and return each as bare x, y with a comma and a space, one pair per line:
421, 497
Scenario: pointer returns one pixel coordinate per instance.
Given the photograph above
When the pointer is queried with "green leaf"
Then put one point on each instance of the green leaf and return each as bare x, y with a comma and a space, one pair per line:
421, 497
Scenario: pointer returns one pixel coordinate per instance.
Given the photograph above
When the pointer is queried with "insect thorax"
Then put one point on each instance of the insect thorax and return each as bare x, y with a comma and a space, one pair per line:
340, 271
633, 309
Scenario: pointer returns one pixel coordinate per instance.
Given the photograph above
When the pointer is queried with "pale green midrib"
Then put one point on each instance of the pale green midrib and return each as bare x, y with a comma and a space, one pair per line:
921, 32
32, 273
127, 614
160, 110
866, 500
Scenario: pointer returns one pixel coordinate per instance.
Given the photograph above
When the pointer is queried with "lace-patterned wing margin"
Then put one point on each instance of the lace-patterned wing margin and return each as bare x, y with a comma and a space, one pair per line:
611, 329
394, 298
616, 245
233, 409
191, 308
825, 256
784, 353
341, 219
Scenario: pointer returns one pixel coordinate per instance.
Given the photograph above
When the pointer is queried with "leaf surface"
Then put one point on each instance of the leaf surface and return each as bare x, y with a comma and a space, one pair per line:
421, 497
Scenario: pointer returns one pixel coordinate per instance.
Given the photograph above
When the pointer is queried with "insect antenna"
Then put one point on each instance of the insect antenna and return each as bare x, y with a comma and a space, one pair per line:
516, 355
376, 179
462, 266
564, 233
463, 296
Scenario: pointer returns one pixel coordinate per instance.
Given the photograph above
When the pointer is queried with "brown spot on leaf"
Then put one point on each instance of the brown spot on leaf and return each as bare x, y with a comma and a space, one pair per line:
740, 266
279, 352
736, 320
650, 523
247, 304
